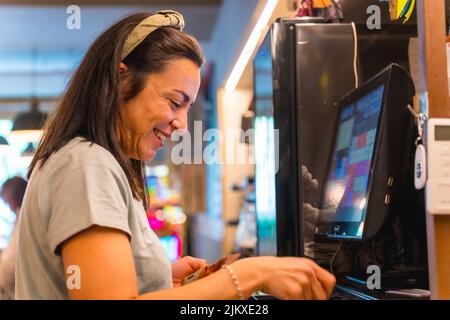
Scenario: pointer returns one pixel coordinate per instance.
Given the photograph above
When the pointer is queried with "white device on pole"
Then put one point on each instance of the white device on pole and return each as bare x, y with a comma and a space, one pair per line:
420, 167
438, 151
420, 159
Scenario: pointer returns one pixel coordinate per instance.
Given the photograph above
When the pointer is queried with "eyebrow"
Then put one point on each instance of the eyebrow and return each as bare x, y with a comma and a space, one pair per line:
186, 97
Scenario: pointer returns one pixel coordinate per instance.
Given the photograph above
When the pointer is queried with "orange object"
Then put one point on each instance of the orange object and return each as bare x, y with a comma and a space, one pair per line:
321, 4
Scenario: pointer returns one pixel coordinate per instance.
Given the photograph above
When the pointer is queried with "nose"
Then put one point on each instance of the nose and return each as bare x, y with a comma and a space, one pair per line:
180, 121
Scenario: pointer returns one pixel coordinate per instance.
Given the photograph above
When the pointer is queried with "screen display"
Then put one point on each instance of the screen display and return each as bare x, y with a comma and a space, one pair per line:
346, 191
264, 151
442, 133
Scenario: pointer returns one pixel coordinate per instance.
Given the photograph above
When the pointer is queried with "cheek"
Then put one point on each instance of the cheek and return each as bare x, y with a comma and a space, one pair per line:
147, 146
148, 143
157, 113
160, 120
139, 120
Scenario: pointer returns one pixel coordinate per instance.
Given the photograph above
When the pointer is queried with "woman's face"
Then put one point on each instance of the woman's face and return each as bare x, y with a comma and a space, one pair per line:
159, 109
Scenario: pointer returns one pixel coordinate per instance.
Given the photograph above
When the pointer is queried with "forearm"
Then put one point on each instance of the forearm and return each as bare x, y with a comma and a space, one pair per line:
217, 286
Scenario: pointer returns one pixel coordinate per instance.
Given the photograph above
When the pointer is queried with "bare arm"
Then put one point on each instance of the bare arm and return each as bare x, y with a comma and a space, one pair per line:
107, 272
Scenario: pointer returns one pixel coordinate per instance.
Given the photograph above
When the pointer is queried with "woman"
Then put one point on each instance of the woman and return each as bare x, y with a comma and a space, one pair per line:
83, 229
12, 193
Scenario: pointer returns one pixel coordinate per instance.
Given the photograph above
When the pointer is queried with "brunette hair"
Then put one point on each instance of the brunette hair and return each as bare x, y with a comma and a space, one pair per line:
90, 107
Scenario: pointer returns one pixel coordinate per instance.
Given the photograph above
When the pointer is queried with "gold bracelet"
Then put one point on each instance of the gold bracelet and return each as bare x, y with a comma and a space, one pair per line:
235, 280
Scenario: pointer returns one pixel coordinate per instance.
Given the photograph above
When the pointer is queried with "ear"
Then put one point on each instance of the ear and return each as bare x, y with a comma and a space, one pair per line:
122, 67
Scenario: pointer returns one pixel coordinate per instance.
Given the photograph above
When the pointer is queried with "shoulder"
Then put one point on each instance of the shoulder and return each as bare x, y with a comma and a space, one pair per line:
82, 157
81, 167
79, 152
82, 150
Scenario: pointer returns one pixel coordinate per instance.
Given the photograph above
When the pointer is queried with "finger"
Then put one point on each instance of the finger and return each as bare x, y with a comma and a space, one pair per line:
196, 263
321, 274
318, 291
300, 295
307, 290
313, 288
326, 279
295, 292
322, 287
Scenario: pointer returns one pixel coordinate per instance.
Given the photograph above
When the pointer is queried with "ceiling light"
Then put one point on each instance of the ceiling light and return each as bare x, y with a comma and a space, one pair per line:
28, 126
250, 46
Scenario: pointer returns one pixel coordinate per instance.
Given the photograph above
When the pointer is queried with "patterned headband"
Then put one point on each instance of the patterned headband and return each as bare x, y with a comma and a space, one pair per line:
166, 18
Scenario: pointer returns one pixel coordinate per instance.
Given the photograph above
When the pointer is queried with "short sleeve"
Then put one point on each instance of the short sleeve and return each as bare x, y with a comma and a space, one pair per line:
87, 187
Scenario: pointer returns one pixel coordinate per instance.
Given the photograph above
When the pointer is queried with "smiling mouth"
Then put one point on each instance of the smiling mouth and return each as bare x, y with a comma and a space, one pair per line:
160, 135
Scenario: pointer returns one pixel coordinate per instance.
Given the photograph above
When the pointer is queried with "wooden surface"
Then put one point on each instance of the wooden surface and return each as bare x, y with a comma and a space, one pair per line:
432, 37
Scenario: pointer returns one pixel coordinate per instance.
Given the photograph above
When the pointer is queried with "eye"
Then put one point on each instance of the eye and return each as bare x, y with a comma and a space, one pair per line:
175, 104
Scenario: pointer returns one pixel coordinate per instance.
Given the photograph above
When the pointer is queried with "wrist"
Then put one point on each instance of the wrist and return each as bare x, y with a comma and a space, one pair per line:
235, 280
251, 275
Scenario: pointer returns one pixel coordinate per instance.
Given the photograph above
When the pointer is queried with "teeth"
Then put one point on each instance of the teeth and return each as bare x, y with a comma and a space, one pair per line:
159, 134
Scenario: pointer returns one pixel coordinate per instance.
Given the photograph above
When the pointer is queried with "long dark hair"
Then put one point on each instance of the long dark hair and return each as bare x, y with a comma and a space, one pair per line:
90, 107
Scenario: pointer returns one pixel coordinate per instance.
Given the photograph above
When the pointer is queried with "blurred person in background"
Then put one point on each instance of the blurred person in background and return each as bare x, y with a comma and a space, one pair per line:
12, 193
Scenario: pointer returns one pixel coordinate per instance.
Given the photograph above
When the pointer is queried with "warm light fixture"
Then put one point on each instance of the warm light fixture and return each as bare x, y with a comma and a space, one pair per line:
250, 46
28, 126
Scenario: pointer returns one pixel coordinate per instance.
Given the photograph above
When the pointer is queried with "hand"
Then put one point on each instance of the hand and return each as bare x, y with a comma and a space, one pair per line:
294, 278
310, 187
184, 267
310, 215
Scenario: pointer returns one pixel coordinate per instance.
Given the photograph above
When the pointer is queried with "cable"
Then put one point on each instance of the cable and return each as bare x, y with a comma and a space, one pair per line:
334, 256
355, 54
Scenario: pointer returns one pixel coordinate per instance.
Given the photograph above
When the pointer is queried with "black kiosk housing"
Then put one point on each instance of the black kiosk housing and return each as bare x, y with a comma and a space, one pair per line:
302, 70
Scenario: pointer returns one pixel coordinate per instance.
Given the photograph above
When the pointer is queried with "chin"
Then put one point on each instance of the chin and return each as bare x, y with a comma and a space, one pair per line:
147, 150
147, 154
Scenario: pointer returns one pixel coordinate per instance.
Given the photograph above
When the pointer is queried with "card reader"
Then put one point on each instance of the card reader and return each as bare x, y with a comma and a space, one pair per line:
438, 150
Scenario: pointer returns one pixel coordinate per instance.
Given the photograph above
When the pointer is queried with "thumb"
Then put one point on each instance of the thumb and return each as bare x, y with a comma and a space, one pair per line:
196, 263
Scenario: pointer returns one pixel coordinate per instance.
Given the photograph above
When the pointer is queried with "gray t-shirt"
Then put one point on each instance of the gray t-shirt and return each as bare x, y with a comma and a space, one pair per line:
79, 186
